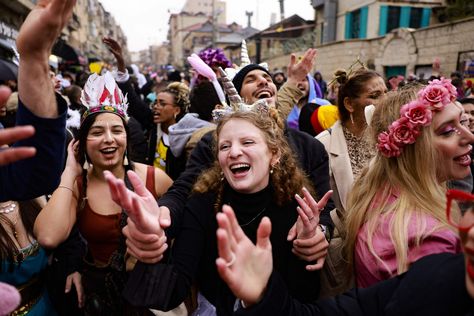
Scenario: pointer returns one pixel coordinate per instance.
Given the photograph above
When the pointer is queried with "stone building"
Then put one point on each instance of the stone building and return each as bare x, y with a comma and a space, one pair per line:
193, 13
406, 50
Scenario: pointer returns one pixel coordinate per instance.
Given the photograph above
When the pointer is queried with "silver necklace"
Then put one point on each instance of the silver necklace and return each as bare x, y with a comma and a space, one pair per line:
8, 208
261, 212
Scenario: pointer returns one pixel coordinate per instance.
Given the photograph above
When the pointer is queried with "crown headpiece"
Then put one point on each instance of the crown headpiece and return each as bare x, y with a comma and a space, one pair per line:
236, 102
414, 115
101, 94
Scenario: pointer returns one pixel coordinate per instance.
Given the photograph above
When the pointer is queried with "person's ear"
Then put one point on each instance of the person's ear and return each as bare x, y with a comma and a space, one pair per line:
177, 111
348, 105
275, 158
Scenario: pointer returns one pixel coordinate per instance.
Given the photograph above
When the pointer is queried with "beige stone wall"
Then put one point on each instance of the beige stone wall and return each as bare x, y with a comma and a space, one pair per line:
402, 47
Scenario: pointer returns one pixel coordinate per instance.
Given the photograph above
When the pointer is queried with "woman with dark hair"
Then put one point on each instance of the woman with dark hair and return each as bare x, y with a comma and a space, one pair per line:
348, 152
83, 197
23, 260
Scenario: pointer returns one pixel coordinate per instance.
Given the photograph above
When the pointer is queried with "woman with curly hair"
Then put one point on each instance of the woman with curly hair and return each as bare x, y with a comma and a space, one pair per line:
171, 105
256, 173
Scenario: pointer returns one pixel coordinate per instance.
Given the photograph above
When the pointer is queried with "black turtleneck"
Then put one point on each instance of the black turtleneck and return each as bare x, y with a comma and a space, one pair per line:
195, 248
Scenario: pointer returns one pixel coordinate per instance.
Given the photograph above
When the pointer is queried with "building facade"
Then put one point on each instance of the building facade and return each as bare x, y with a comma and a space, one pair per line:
81, 39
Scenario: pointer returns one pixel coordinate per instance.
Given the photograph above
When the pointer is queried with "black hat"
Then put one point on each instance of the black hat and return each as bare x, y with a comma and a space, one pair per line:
240, 76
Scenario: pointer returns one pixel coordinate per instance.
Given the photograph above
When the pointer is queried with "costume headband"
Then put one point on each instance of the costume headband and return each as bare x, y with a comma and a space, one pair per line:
101, 94
236, 102
245, 60
414, 115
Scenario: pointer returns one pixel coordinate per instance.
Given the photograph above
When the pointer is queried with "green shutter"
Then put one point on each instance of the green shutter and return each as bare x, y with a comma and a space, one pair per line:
383, 20
364, 16
404, 17
348, 25
425, 17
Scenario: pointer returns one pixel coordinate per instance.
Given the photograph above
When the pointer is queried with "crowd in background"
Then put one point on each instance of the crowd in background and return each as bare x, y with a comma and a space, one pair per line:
232, 189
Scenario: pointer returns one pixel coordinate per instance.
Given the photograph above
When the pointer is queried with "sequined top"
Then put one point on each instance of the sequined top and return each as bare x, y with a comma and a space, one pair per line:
360, 152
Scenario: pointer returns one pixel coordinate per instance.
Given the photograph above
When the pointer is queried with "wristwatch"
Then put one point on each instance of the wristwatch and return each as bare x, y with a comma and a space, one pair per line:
326, 232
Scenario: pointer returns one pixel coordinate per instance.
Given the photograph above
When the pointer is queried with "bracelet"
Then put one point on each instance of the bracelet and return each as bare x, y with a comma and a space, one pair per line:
67, 188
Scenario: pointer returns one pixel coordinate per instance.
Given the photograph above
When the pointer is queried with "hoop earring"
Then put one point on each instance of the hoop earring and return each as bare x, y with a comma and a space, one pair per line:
352, 119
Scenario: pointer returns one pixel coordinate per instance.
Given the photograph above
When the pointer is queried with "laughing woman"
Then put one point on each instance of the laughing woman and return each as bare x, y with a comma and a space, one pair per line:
83, 197
256, 173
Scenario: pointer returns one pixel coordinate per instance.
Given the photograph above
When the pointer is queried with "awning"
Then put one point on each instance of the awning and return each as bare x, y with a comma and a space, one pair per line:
68, 53
8, 70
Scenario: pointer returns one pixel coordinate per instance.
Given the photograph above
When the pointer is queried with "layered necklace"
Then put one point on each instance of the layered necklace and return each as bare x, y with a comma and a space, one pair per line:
8, 207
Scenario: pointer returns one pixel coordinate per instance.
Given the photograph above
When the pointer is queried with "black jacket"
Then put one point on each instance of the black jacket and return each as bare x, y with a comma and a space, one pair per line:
434, 285
309, 151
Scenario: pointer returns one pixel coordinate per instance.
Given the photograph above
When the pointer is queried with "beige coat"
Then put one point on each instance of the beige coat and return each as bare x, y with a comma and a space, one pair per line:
333, 278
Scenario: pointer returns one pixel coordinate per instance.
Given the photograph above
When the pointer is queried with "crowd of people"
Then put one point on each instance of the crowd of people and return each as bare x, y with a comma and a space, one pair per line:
240, 191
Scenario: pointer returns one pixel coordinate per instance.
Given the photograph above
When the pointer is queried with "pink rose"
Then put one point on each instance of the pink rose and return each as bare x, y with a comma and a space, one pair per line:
386, 146
435, 95
403, 132
417, 113
451, 89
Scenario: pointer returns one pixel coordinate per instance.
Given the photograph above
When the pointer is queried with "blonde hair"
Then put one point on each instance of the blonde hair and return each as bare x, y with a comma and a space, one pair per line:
411, 176
180, 93
287, 178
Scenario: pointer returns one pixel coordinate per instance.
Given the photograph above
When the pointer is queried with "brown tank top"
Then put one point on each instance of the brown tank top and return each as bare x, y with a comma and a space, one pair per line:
102, 232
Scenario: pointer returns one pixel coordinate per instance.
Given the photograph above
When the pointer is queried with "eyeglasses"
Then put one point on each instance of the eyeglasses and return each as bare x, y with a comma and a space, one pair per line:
163, 104
460, 209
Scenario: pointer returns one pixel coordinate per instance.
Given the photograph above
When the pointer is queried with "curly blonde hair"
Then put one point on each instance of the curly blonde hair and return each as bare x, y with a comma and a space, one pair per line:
287, 177
180, 93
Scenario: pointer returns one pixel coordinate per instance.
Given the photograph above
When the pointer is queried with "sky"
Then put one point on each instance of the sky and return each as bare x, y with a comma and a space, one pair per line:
145, 22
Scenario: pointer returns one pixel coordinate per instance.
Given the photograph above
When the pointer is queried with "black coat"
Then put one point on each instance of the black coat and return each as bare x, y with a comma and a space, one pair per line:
310, 153
434, 285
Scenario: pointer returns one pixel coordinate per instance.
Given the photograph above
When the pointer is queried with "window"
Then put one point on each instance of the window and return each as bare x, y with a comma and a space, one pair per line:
415, 17
355, 24
393, 18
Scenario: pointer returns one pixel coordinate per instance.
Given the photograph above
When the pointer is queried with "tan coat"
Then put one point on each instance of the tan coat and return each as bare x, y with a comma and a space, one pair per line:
333, 277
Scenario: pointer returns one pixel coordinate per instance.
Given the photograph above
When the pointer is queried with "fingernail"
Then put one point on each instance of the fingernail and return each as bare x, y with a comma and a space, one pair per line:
297, 196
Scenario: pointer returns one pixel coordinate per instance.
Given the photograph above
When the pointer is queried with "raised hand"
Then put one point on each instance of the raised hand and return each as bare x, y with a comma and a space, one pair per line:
146, 239
72, 163
43, 26
245, 267
115, 48
310, 244
297, 71
11, 135
36, 38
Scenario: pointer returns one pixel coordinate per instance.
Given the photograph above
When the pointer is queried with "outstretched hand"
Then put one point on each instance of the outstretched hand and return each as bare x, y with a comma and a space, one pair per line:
310, 244
297, 71
43, 26
11, 135
115, 48
146, 239
245, 267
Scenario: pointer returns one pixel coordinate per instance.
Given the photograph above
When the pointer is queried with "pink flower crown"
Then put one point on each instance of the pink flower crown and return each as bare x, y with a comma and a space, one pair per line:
414, 115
